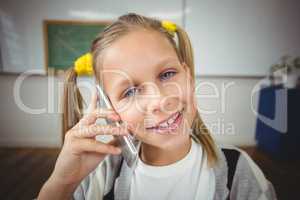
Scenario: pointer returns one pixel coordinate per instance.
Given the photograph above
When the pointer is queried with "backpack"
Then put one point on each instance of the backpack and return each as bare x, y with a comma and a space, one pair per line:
231, 156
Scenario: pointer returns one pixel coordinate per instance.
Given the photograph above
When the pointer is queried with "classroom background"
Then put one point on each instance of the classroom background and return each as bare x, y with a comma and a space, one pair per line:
247, 58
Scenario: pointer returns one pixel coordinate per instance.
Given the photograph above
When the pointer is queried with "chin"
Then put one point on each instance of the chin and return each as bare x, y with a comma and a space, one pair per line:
163, 141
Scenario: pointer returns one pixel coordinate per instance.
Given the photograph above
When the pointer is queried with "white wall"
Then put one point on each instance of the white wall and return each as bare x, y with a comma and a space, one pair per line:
242, 37
20, 128
226, 107
21, 27
231, 37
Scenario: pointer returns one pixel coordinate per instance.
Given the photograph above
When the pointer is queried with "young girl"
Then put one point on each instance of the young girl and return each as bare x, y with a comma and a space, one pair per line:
146, 68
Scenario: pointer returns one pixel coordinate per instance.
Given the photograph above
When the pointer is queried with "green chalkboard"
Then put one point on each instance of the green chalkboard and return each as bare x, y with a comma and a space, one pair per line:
65, 41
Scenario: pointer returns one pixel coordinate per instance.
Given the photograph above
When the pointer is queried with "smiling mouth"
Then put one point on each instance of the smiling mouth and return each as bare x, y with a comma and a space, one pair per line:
170, 123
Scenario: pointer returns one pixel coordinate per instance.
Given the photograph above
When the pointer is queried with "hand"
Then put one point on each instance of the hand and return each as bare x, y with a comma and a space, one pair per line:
81, 152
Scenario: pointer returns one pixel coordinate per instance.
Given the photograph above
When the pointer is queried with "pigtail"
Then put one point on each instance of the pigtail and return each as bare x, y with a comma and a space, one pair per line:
202, 134
185, 49
72, 101
200, 131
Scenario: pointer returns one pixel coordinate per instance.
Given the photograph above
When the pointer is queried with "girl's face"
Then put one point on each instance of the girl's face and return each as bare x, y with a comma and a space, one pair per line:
147, 84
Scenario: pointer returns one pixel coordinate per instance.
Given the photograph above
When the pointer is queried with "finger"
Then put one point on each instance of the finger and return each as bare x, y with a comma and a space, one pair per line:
105, 112
91, 118
95, 129
131, 128
114, 142
92, 145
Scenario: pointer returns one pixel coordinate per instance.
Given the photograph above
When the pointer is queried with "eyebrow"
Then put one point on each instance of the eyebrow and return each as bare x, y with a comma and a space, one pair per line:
167, 60
120, 82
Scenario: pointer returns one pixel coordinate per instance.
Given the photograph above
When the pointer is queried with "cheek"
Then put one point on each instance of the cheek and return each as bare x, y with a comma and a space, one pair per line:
188, 97
131, 113
184, 89
135, 118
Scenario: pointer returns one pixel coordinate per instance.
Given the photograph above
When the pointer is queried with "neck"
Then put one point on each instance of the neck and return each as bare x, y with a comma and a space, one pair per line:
156, 156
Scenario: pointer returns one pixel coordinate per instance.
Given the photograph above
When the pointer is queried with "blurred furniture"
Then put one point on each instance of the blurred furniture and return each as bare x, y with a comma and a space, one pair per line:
280, 145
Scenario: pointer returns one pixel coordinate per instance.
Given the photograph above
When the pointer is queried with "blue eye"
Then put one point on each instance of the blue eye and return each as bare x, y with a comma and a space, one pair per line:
129, 92
167, 75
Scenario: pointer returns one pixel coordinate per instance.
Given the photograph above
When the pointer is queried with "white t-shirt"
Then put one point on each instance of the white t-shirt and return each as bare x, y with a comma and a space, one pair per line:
188, 178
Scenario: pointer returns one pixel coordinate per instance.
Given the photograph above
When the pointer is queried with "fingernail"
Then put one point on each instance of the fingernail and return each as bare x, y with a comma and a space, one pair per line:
115, 116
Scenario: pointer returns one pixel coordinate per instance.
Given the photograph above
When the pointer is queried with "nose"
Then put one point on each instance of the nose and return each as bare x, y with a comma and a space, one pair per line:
158, 101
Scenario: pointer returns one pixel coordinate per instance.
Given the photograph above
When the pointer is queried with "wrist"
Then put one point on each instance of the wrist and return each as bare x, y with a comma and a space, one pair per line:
55, 189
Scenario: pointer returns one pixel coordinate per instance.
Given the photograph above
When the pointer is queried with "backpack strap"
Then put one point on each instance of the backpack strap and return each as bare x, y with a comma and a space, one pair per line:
110, 195
232, 157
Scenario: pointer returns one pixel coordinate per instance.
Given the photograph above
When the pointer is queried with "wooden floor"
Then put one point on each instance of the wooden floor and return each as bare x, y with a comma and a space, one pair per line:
24, 170
284, 175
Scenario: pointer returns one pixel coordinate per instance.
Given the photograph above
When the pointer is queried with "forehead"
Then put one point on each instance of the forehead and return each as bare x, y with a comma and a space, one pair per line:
136, 55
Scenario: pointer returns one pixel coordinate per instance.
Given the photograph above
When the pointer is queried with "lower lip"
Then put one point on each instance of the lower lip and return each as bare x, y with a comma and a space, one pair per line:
171, 128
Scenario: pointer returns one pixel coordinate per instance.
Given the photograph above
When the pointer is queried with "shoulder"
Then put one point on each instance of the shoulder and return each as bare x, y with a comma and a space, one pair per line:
248, 181
99, 181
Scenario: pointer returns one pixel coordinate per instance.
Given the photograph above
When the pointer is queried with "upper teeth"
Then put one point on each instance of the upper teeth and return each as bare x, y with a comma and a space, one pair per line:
163, 125
170, 121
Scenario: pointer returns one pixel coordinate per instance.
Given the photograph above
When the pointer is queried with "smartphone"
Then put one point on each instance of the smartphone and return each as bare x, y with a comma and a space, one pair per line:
129, 151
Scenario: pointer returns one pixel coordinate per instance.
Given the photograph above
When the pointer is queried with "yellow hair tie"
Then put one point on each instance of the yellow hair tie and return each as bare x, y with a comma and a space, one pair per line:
83, 65
169, 26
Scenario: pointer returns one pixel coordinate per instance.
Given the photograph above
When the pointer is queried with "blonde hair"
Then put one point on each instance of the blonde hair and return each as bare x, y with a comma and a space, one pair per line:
127, 23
